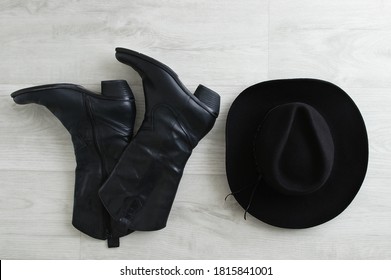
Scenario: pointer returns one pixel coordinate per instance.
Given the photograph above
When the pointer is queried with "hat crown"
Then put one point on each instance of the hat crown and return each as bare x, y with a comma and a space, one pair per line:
294, 149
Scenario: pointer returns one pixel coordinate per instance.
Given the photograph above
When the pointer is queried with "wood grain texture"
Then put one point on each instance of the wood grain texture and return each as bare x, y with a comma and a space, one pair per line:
226, 45
346, 42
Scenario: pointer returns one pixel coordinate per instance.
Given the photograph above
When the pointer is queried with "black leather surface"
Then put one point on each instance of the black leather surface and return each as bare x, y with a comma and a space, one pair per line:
100, 126
140, 191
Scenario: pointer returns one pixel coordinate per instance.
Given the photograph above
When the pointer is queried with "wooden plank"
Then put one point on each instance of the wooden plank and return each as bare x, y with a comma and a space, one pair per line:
75, 41
225, 45
346, 42
35, 216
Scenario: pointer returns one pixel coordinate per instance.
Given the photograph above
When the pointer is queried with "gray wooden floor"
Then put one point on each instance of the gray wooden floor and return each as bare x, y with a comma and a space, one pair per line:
226, 45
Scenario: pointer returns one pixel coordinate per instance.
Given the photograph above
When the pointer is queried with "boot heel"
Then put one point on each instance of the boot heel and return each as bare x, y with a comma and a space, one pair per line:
116, 88
209, 98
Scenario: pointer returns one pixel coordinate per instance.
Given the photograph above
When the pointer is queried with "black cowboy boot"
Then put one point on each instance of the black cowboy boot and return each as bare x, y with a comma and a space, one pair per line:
101, 126
140, 191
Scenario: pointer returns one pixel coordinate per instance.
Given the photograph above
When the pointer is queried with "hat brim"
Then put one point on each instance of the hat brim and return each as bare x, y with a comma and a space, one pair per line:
350, 160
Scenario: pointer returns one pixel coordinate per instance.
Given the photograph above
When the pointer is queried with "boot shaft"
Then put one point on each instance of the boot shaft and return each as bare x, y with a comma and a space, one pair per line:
100, 126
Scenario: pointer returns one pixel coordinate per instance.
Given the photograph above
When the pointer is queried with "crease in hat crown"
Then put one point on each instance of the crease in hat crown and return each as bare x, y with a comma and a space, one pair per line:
294, 149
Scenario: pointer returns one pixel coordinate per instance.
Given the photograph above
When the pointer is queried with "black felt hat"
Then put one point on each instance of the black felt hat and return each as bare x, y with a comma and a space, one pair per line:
296, 151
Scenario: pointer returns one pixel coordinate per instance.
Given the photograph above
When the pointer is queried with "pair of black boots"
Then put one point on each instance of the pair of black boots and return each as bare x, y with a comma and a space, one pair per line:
124, 184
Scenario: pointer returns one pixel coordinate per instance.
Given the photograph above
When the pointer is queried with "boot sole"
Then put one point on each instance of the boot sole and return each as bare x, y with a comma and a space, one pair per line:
73, 87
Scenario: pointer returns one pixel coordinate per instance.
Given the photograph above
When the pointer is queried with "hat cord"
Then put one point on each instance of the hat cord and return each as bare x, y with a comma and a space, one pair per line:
254, 188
